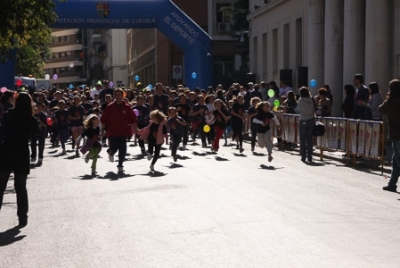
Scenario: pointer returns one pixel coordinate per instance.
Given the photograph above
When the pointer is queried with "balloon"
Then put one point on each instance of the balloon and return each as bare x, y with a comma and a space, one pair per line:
55, 76
71, 86
3, 89
313, 83
99, 83
150, 86
19, 82
71, 65
47, 77
136, 112
271, 93
49, 122
111, 84
206, 128
23, 88
276, 103
137, 78
194, 75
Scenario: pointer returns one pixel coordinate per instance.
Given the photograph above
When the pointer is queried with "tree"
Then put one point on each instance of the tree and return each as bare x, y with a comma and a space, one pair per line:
238, 13
25, 25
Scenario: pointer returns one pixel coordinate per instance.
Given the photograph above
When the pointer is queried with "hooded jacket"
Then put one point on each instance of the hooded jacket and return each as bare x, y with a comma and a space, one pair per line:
306, 108
391, 107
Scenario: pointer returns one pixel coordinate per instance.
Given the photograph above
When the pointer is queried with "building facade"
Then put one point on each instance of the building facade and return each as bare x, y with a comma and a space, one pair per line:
154, 58
67, 58
329, 41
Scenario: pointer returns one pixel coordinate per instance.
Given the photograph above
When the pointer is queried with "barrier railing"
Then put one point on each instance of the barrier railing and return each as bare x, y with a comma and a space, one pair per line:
356, 138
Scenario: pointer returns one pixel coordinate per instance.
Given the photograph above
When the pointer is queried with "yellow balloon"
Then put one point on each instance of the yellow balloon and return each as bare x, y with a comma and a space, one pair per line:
206, 128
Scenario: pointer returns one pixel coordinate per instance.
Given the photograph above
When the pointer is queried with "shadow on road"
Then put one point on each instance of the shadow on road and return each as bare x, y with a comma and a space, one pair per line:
219, 158
10, 236
154, 174
258, 154
115, 176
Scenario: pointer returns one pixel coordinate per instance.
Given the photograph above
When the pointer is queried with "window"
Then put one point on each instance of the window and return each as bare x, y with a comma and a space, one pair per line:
68, 54
255, 58
222, 16
286, 52
66, 38
275, 50
264, 56
299, 42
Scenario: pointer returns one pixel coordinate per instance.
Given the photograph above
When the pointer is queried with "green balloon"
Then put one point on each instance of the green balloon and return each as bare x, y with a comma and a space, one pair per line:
271, 93
276, 103
23, 88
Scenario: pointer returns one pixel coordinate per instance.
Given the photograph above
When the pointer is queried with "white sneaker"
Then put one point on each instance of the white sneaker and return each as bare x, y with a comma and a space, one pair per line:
149, 157
152, 168
87, 158
120, 169
111, 158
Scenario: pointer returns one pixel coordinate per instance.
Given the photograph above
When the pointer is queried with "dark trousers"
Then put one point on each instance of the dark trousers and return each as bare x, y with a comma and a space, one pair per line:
253, 135
175, 139
118, 144
237, 128
306, 138
154, 148
185, 135
35, 140
20, 189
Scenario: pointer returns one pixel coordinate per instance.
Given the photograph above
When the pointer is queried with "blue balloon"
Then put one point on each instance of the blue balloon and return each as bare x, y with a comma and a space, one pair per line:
137, 78
194, 75
71, 86
313, 83
150, 86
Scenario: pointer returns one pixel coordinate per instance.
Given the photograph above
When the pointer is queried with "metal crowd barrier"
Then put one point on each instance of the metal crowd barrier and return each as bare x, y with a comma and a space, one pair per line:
356, 138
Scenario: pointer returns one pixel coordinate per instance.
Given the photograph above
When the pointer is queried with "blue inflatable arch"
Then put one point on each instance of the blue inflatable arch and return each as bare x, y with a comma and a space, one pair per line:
161, 14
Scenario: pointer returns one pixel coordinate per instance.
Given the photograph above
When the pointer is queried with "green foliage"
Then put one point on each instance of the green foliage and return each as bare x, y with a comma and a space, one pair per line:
238, 14
24, 24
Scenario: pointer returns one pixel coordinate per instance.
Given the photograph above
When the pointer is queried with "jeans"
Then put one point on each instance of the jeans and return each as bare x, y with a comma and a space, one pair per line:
306, 138
118, 144
394, 176
156, 147
20, 189
175, 140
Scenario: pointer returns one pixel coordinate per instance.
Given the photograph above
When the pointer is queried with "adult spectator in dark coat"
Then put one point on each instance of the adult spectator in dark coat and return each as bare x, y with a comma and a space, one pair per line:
18, 126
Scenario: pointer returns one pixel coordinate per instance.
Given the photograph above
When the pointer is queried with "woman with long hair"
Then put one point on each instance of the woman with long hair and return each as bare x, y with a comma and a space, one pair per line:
18, 125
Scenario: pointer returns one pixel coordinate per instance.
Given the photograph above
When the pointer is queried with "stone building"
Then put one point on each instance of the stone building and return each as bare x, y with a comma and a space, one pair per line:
329, 41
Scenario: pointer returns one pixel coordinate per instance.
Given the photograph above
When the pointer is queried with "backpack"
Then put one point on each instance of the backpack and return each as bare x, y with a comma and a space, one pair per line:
319, 129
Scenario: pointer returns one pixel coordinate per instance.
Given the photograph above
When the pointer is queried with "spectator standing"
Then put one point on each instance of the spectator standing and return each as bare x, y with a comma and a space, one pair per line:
391, 107
361, 97
117, 120
307, 121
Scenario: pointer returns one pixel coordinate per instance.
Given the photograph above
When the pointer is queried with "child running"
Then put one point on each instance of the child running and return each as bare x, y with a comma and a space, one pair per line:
221, 115
154, 134
263, 119
92, 144
238, 117
175, 126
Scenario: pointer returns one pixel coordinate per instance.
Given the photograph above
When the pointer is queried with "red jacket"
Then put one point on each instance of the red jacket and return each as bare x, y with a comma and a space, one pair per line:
118, 119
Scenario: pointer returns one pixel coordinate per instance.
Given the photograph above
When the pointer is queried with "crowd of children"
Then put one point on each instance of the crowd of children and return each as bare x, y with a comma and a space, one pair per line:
164, 114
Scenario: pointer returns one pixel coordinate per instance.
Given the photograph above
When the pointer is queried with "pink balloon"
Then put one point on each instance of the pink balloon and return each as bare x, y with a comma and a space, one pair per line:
3, 89
136, 112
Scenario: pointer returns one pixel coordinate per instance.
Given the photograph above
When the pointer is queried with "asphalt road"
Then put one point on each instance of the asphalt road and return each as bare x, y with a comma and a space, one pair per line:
206, 210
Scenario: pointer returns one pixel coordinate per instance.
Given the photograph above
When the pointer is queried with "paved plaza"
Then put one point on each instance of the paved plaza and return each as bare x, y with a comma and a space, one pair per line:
205, 210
